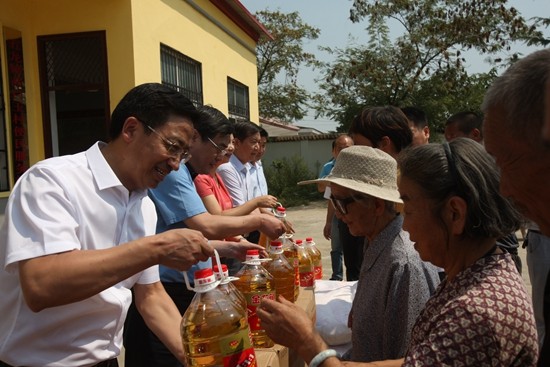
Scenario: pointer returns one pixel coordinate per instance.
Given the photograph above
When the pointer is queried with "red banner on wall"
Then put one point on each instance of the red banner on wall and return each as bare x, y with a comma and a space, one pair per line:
18, 109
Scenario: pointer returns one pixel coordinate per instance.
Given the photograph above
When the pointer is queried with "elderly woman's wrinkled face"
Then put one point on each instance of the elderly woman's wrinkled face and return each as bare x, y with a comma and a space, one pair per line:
420, 221
356, 210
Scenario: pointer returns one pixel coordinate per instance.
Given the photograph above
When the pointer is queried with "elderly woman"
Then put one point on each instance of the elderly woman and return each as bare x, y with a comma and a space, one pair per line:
480, 314
394, 283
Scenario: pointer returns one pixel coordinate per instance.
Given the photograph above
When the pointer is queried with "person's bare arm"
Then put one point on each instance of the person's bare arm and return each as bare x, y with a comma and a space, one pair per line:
328, 220
213, 207
220, 226
72, 276
161, 316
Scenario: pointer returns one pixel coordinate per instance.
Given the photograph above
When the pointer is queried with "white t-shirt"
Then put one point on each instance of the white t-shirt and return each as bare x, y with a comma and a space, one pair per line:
61, 204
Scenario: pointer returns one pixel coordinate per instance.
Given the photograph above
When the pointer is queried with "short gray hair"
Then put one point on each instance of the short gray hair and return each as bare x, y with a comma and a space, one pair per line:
520, 93
474, 177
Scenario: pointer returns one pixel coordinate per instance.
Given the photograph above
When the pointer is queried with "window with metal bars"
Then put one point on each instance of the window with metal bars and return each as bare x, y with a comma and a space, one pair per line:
238, 102
181, 73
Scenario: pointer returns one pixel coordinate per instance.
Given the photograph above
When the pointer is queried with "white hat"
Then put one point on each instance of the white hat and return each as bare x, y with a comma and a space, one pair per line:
366, 170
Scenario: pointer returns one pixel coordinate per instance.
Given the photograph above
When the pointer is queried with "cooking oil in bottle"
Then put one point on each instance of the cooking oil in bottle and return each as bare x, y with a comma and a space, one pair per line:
227, 286
316, 257
307, 277
291, 253
255, 283
280, 213
214, 330
281, 270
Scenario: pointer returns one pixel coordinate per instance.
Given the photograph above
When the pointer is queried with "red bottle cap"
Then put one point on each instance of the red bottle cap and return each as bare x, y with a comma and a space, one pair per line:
224, 268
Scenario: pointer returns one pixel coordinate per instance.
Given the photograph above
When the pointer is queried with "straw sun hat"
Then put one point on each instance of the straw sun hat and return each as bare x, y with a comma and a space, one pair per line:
366, 170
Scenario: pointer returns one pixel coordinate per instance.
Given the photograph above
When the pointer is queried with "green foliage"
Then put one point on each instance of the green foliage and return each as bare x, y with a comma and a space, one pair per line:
539, 40
282, 177
279, 61
425, 66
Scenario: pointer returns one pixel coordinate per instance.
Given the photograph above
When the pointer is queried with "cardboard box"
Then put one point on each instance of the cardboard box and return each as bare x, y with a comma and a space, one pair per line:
279, 356
276, 356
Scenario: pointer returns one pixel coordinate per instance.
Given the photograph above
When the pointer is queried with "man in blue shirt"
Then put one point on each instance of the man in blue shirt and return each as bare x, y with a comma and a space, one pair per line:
178, 205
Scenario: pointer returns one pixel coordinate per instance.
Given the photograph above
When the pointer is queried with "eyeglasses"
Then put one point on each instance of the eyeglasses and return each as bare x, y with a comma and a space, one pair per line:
173, 149
221, 152
342, 204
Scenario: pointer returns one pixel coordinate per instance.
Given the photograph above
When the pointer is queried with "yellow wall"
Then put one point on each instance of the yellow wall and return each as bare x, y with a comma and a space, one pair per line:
40, 17
221, 56
134, 30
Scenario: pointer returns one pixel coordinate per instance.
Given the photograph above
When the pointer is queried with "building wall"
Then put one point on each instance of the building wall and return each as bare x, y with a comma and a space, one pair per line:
221, 55
315, 153
134, 31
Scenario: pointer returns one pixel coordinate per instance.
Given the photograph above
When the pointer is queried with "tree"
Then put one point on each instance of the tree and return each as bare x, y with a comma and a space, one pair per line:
429, 56
539, 40
279, 62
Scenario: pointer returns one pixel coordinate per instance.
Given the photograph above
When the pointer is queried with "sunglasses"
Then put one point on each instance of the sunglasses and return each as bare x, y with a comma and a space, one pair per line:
342, 204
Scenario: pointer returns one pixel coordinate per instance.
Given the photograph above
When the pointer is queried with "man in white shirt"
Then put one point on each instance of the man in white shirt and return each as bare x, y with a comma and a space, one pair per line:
257, 165
241, 184
79, 233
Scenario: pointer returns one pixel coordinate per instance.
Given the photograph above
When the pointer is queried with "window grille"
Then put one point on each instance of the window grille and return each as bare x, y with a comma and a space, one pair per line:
181, 73
238, 102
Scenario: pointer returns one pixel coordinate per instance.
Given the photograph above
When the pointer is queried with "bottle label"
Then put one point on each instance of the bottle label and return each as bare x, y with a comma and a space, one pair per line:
307, 279
237, 350
318, 272
253, 301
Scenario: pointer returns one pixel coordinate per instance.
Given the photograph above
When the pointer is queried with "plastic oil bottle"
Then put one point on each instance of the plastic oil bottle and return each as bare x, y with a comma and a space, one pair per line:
280, 213
307, 277
281, 270
316, 257
291, 253
227, 286
214, 330
255, 283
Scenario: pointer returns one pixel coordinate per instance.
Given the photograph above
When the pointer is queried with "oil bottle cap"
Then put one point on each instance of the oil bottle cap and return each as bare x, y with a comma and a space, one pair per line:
224, 270
252, 254
276, 245
281, 210
309, 239
204, 277
298, 242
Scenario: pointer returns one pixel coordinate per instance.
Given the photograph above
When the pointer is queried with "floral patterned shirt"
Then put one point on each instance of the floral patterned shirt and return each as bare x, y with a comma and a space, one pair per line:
482, 318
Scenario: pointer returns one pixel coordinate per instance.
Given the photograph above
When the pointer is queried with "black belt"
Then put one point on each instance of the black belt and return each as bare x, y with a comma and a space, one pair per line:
108, 363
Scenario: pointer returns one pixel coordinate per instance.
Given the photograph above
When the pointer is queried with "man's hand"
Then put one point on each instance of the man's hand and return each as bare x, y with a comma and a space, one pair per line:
236, 249
183, 248
271, 226
286, 323
265, 201
327, 230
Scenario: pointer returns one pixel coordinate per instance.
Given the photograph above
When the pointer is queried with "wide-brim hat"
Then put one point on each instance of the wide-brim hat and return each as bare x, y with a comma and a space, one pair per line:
366, 170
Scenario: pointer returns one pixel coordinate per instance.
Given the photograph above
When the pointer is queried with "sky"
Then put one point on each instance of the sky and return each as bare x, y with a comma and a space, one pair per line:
337, 31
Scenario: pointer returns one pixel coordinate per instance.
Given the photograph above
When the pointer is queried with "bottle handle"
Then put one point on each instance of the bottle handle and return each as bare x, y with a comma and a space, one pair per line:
215, 284
274, 209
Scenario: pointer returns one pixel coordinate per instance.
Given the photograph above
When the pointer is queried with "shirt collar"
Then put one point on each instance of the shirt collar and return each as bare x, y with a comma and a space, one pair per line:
104, 176
238, 164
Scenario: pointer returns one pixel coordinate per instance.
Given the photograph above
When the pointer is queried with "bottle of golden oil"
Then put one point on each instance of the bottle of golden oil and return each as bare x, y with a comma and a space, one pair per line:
316, 257
307, 277
291, 253
281, 270
214, 330
255, 283
227, 286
